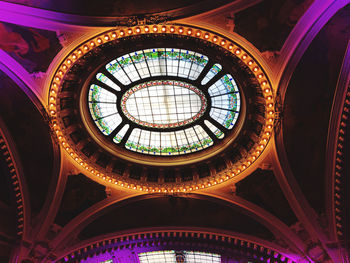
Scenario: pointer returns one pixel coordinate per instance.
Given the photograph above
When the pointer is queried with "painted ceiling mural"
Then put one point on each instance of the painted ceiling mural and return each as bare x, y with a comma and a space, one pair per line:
33, 48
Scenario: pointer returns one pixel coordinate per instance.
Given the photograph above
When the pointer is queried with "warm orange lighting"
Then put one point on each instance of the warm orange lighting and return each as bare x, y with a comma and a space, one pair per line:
220, 41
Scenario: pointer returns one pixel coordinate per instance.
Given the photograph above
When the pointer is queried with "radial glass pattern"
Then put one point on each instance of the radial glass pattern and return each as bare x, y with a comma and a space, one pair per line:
156, 101
172, 256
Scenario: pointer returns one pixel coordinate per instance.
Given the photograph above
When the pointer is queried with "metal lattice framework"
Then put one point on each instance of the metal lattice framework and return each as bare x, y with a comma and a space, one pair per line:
161, 104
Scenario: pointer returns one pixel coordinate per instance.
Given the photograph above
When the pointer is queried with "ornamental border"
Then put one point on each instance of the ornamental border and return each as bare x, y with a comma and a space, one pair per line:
146, 239
212, 37
141, 86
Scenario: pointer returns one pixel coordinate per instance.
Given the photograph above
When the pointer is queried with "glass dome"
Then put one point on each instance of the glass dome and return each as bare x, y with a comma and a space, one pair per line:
164, 101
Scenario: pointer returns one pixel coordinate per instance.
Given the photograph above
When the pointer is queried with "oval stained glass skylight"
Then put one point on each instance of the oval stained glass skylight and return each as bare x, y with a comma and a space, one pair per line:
163, 104
164, 101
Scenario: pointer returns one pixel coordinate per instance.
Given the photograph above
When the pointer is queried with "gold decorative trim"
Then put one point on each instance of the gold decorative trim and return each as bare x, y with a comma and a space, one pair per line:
214, 38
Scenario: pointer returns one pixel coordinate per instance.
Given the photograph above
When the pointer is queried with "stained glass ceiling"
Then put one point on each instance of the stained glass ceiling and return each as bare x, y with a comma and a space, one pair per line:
164, 101
163, 104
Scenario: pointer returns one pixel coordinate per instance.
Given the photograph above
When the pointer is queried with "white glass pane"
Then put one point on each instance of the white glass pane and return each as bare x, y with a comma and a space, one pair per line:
120, 135
198, 63
224, 85
185, 63
101, 77
215, 69
133, 140
218, 133
173, 56
116, 70
169, 143
158, 257
140, 63
129, 68
98, 94
203, 137
201, 257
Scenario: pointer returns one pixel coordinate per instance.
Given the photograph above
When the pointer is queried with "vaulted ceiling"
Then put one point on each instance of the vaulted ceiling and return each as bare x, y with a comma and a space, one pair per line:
291, 204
